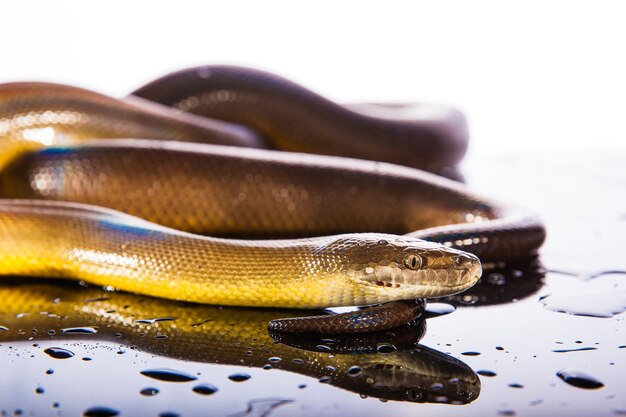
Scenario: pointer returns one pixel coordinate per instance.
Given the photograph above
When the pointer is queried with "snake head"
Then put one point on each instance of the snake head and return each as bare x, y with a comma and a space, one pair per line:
391, 267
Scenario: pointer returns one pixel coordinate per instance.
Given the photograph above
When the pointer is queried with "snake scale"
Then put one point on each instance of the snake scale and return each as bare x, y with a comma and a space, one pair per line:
183, 158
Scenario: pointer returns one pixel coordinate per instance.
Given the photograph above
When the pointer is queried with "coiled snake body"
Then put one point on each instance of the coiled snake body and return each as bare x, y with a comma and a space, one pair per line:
66, 162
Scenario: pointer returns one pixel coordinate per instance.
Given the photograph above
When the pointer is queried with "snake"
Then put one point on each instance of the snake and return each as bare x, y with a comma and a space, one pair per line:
197, 333
232, 186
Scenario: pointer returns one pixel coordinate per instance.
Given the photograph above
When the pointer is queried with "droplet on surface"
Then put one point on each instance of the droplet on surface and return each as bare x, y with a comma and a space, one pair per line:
603, 296
438, 309
58, 353
155, 320
354, 370
3, 328
578, 378
486, 373
39, 390
80, 330
239, 377
100, 412
385, 348
205, 389
323, 348
506, 413
496, 279
149, 392
470, 353
325, 379
574, 350
168, 375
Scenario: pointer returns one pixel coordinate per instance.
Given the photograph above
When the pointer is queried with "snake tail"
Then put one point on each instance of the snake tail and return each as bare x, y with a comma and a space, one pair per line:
370, 319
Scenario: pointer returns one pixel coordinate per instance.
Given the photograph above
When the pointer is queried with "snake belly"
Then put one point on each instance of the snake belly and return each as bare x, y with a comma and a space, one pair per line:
184, 191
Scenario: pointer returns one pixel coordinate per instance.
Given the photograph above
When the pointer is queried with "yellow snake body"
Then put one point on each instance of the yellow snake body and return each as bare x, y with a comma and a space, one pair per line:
112, 249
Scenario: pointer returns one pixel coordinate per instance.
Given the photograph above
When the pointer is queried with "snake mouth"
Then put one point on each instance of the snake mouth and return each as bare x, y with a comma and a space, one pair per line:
432, 282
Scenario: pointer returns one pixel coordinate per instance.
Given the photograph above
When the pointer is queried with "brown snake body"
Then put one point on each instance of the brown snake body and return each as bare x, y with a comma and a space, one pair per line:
231, 193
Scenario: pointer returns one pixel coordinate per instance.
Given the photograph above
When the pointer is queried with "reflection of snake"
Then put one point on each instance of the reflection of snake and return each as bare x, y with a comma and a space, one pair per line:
209, 334
235, 192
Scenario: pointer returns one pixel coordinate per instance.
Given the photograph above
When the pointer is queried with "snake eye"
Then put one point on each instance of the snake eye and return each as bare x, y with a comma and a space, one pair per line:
413, 262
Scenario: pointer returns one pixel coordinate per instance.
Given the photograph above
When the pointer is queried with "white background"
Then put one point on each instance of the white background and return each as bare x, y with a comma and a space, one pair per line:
535, 75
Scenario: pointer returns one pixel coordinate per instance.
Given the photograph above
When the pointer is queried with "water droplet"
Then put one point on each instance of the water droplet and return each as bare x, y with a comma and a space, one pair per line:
4, 328
168, 375
59, 353
149, 392
506, 413
95, 300
385, 348
469, 299
169, 414
496, 279
302, 386
100, 412
275, 359
574, 350
439, 309
51, 332
354, 370
39, 390
516, 386
579, 379
437, 386
486, 373
205, 389
86, 359
470, 353
297, 361
49, 371
80, 330
323, 348
603, 296
160, 336
240, 377
155, 320
325, 379
499, 348
56, 405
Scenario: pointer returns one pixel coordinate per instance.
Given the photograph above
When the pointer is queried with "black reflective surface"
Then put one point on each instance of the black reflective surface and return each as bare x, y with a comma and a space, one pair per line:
544, 337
